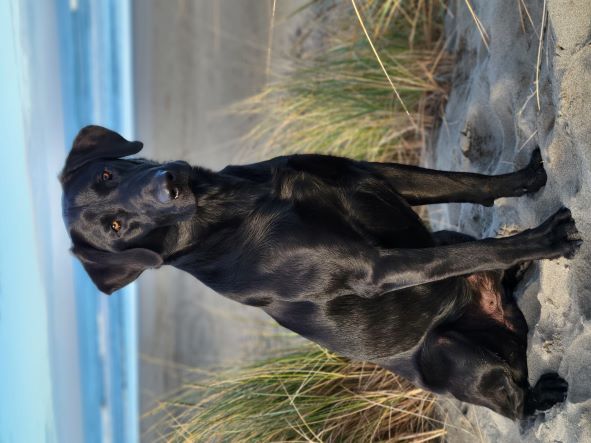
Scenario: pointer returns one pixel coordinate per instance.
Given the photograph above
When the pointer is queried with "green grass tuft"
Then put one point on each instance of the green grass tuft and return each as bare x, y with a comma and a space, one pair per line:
306, 395
339, 101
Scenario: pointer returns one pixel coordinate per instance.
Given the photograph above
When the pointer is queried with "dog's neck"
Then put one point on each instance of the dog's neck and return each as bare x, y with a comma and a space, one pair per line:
219, 196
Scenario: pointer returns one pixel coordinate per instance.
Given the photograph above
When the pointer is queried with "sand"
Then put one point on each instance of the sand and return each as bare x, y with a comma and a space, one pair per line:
494, 119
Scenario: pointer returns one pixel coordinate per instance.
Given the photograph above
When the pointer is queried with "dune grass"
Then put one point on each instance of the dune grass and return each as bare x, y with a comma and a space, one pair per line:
339, 101
308, 394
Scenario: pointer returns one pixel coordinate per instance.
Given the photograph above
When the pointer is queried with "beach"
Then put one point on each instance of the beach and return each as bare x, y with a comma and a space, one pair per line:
529, 88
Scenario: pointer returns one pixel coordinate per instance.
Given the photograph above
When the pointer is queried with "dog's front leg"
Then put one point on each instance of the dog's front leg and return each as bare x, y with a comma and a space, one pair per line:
401, 268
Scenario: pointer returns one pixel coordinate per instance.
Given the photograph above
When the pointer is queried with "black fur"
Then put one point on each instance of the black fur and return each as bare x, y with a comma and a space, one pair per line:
331, 249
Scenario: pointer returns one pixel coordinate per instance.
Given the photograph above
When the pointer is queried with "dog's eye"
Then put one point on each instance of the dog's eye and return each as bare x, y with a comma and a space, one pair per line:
106, 175
116, 225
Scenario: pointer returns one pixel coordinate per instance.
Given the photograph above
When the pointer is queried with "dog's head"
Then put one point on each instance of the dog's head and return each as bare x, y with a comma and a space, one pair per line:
121, 213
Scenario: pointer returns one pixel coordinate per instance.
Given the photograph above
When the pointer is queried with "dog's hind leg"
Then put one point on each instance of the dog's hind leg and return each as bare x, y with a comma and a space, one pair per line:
420, 186
486, 368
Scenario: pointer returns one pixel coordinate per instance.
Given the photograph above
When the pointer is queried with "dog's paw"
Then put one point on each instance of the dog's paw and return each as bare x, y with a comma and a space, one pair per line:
534, 175
549, 390
559, 235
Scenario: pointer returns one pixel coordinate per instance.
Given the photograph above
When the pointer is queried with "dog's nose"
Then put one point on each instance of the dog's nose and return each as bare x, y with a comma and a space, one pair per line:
166, 189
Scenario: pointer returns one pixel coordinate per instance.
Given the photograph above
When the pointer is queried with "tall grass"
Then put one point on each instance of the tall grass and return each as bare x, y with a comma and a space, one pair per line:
339, 101
306, 395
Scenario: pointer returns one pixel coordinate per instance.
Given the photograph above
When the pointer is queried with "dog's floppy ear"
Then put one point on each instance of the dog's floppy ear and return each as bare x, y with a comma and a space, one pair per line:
111, 271
94, 142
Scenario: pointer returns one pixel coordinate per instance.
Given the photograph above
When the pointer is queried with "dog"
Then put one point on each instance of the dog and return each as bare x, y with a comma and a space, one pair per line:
331, 249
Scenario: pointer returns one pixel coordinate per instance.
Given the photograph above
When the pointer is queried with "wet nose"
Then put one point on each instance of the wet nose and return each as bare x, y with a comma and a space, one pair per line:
166, 189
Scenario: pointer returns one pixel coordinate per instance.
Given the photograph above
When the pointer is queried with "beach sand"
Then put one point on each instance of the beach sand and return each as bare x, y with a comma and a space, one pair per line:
494, 118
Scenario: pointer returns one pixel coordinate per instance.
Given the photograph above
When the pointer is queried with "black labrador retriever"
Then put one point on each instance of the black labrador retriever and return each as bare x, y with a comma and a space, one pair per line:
331, 249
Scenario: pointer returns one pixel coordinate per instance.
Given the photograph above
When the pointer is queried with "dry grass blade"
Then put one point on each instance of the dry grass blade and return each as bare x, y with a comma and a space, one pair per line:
539, 57
270, 38
524, 9
373, 48
478, 23
384, 15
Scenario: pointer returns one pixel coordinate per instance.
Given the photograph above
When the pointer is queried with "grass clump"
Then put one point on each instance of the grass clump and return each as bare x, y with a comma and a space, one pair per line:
306, 395
337, 100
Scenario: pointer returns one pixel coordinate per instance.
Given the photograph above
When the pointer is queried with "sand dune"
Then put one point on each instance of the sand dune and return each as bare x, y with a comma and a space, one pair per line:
494, 119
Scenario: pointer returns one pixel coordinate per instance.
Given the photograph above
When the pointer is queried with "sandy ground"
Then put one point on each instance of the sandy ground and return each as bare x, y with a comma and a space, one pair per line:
494, 119
193, 58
